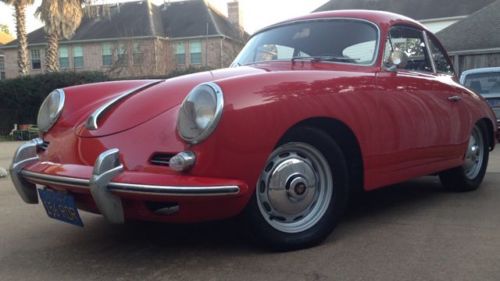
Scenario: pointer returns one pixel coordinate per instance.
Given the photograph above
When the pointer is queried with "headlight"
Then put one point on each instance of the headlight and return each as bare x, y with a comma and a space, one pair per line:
50, 110
200, 112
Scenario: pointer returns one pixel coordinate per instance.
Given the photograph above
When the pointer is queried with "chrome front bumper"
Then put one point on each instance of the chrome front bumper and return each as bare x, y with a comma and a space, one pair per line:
100, 185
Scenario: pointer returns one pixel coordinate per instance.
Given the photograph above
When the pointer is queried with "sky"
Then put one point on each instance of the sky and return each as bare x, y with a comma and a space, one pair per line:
256, 14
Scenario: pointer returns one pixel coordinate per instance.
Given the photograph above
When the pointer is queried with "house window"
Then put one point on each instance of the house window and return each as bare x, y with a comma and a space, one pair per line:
78, 56
107, 54
2, 68
36, 62
122, 55
138, 55
180, 53
63, 57
195, 51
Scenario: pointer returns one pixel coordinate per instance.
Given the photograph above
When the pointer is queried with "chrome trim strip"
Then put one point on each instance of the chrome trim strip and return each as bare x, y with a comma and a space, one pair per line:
59, 180
136, 188
219, 96
429, 52
91, 123
60, 107
176, 190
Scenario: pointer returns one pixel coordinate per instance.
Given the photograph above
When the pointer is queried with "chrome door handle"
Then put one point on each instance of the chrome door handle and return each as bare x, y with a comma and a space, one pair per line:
455, 98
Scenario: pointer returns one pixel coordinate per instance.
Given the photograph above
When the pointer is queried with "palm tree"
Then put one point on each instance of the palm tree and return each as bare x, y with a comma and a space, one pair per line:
61, 18
22, 49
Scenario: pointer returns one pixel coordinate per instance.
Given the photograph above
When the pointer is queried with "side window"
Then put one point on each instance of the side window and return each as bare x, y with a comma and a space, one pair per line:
442, 63
406, 47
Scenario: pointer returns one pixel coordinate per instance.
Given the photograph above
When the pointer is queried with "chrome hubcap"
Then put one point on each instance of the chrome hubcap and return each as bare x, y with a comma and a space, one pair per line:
474, 155
295, 188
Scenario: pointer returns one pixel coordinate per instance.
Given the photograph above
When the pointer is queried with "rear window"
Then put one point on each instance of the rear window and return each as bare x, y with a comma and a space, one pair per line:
483, 83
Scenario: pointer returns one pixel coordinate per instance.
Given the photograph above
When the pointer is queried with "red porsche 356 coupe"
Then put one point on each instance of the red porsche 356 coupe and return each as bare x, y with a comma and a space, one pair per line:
311, 109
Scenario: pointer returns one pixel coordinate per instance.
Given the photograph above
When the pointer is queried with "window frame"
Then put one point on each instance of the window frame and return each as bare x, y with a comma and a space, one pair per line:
122, 54
59, 57
137, 54
177, 54
200, 53
107, 55
75, 57
372, 63
39, 59
432, 39
2, 67
427, 48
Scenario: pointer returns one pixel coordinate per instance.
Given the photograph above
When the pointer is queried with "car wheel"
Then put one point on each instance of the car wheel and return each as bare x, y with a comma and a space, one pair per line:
470, 175
301, 192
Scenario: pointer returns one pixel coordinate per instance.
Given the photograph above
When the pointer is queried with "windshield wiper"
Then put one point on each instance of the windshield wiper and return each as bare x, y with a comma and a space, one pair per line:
324, 58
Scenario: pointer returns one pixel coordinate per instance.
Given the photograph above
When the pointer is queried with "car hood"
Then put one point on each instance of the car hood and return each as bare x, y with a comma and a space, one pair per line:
152, 101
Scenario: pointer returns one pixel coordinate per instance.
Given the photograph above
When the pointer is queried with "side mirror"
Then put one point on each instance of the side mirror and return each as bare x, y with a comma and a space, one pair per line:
397, 59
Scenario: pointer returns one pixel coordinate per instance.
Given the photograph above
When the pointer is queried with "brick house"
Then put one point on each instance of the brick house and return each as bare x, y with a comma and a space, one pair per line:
141, 39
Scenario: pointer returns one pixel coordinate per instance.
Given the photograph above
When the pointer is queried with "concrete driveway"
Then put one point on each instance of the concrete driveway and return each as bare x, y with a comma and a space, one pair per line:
411, 231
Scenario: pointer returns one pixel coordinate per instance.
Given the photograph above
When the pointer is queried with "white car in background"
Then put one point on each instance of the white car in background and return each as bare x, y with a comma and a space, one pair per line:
486, 82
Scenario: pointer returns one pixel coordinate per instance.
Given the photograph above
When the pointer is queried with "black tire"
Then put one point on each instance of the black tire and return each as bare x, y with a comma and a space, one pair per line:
260, 221
462, 178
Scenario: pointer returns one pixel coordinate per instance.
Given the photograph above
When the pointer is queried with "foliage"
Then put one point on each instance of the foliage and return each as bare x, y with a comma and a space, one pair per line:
4, 28
61, 18
22, 49
20, 98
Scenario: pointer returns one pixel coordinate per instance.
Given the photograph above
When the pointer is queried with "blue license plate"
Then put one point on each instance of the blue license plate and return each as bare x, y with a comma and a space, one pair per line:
60, 206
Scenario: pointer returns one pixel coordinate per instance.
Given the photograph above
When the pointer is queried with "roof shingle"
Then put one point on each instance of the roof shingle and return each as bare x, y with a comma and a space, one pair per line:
481, 30
420, 10
180, 19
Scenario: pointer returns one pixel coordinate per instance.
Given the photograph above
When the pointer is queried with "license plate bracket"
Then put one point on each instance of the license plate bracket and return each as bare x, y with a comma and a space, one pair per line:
60, 206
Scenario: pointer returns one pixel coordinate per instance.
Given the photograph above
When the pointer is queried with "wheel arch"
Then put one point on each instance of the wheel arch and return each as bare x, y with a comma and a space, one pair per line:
347, 141
491, 131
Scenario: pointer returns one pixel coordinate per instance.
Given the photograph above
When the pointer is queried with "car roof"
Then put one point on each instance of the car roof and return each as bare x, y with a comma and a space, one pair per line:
476, 71
380, 18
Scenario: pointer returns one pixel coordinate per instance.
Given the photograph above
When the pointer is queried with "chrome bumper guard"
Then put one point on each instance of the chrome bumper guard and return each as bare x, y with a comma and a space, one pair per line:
106, 167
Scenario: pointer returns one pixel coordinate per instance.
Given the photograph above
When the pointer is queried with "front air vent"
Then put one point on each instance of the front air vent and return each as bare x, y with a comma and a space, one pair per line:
161, 159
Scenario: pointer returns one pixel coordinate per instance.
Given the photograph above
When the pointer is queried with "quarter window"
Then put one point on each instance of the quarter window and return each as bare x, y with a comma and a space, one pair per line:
78, 57
63, 57
195, 52
406, 48
441, 61
36, 62
107, 54
180, 53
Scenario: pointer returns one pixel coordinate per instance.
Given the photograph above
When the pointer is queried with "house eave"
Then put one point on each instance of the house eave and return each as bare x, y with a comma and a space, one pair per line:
474, 52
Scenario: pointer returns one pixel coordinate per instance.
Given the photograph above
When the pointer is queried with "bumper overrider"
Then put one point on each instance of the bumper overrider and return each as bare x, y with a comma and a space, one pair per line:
101, 186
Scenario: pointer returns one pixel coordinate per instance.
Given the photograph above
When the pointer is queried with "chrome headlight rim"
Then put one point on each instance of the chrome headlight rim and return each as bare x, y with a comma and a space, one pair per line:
219, 97
60, 106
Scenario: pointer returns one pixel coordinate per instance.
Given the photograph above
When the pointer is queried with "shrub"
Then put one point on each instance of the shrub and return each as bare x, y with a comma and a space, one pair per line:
21, 97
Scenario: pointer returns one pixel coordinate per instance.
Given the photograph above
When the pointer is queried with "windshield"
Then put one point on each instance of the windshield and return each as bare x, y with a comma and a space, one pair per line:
483, 83
338, 40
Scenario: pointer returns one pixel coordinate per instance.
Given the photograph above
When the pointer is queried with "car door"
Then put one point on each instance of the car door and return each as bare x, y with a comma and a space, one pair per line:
446, 87
414, 112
